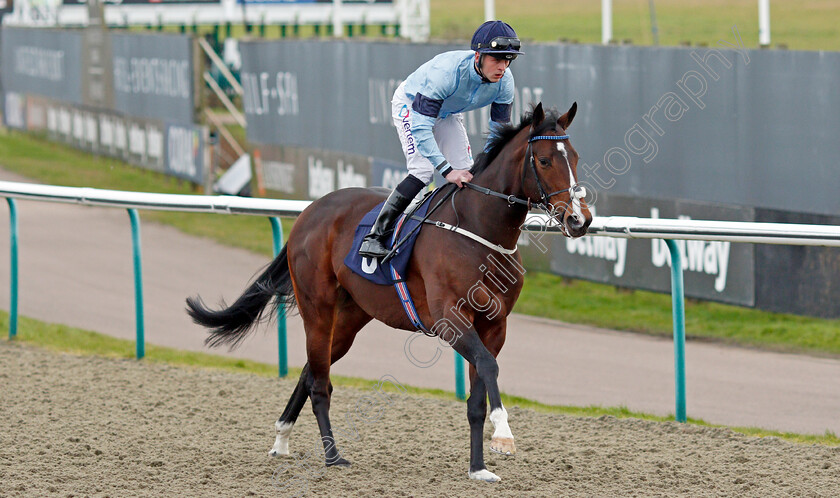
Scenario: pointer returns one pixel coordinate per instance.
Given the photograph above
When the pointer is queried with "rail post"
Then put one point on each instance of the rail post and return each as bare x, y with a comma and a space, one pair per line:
460, 387
140, 344
282, 346
678, 310
13, 237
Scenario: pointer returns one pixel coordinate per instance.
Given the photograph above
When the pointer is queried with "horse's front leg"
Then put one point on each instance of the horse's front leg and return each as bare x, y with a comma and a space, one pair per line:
476, 413
484, 382
501, 442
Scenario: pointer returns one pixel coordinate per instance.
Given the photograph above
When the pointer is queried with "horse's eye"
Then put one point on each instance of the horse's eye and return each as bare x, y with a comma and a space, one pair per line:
544, 162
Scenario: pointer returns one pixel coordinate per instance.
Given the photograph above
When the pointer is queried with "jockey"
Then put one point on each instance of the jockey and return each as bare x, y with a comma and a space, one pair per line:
427, 111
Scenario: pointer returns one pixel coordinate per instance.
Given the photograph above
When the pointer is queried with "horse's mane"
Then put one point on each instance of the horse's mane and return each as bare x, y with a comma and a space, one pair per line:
498, 141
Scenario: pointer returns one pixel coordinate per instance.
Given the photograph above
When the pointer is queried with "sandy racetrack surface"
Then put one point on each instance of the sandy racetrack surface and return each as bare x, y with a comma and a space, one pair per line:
105, 427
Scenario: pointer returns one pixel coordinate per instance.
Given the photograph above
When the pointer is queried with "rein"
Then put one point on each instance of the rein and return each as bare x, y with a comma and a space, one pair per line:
393, 251
577, 192
529, 160
511, 199
453, 228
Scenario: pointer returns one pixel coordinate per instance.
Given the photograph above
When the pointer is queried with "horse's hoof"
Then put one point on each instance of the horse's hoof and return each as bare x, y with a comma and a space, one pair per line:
339, 463
503, 446
280, 448
274, 452
484, 475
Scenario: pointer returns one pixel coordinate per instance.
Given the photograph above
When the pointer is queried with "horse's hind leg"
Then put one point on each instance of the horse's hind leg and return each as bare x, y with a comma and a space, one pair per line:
349, 319
343, 321
286, 422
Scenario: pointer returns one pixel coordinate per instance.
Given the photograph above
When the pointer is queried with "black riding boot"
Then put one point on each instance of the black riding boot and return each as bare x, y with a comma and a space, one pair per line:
375, 244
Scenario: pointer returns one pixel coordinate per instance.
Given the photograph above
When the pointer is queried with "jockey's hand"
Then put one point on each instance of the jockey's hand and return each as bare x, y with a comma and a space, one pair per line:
458, 176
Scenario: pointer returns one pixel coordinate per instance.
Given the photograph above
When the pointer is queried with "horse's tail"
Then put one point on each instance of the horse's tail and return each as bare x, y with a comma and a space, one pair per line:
231, 324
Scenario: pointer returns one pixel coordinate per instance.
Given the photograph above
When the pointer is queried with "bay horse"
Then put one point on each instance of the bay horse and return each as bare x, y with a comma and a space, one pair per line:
521, 165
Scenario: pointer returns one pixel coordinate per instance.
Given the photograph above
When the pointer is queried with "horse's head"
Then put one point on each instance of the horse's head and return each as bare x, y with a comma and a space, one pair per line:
551, 172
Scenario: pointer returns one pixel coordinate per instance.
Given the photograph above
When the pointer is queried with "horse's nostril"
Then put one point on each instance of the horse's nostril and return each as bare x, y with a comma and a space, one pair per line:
575, 222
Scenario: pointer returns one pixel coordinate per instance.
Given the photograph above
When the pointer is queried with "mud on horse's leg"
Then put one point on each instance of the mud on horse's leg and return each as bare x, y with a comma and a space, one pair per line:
487, 371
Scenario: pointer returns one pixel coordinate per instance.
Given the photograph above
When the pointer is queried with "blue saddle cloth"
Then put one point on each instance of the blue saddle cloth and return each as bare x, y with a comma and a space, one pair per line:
394, 271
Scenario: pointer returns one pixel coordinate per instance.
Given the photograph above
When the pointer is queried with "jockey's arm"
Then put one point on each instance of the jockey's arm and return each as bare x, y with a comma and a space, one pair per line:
422, 121
439, 83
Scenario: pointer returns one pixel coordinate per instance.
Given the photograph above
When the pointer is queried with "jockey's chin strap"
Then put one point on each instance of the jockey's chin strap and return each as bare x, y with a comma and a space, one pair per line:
478, 70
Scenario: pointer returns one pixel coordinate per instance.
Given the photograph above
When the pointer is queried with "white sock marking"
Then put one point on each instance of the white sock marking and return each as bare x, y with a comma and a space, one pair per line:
281, 443
499, 417
485, 475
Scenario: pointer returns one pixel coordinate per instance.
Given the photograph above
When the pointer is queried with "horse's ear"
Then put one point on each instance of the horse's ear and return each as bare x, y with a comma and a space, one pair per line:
538, 116
565, 120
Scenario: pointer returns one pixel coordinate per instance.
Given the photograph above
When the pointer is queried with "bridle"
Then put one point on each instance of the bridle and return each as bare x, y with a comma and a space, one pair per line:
577, 193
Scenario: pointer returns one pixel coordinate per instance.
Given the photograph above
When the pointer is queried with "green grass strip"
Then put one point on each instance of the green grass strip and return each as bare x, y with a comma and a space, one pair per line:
578, 301
64, 339
543, 295
803, 25
57, 164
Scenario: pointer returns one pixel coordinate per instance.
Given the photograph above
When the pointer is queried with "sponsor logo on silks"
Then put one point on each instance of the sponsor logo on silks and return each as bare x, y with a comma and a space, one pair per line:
369, 265
469, 152
405, 114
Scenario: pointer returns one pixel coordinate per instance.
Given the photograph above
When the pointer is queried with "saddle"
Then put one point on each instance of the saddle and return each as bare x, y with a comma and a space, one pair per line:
393, 271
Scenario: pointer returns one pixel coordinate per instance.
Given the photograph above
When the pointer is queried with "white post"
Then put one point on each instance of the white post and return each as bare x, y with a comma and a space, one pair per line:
606, 21
228, 10
414, 19
764, 23
338, 27
489, 10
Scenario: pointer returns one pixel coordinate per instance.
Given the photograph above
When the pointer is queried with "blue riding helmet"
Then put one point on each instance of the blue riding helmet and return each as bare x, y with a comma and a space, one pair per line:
496, 38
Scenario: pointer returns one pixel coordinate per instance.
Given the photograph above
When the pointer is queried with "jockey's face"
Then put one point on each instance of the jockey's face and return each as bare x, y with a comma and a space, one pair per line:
492, 67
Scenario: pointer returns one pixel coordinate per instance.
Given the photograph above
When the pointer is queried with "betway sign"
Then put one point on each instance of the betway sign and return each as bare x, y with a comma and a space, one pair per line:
719, 271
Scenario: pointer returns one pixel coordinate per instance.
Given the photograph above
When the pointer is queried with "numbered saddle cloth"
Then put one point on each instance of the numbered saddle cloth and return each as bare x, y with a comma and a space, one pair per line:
394, 271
